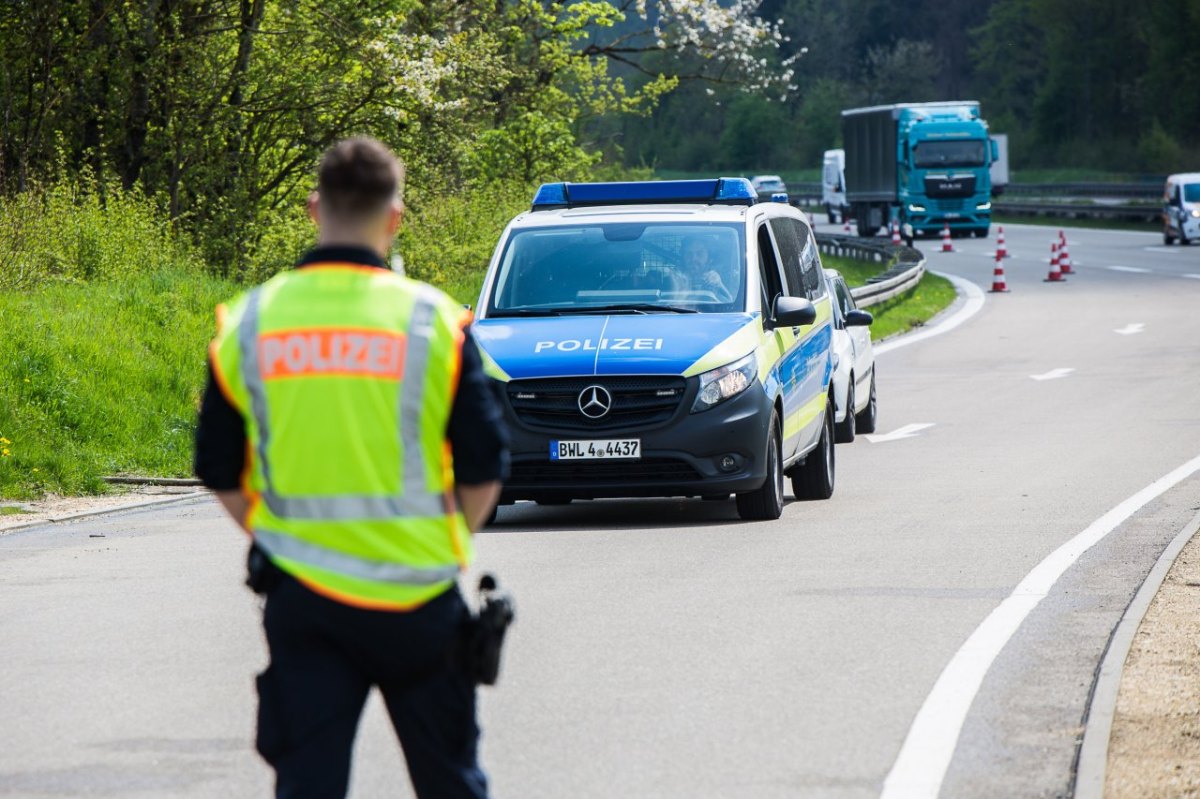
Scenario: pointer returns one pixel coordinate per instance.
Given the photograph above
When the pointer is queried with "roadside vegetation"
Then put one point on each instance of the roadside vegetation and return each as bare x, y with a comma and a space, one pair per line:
903, 312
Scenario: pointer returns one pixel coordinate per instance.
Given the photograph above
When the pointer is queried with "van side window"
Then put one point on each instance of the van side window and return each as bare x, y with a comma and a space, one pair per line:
789, 254
810, 262
768, 267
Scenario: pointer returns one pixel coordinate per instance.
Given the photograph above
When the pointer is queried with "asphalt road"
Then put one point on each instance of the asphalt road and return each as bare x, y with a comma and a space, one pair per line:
665, 649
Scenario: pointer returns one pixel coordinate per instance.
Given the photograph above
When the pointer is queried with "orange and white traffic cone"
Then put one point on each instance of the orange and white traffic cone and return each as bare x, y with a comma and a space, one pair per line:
1064, 256
895, 233
846, 224
998, 281
1055, 275
946, 245
1001, 250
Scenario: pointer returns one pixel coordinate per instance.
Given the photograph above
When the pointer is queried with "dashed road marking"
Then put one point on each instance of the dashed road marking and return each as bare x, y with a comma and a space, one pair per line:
1134, 269
1053, 374
1130, 329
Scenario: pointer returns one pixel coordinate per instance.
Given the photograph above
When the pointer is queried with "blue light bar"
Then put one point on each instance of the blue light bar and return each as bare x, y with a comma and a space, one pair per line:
723, 191
779, 197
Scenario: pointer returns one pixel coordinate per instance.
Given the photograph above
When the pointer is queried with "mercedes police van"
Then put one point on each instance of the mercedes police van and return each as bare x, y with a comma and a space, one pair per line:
666, 338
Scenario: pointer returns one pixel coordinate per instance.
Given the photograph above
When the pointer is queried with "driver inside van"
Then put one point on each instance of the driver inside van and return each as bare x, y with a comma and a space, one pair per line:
699, 268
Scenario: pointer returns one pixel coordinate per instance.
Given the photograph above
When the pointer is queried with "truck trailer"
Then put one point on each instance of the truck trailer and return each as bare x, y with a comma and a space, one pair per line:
923, 165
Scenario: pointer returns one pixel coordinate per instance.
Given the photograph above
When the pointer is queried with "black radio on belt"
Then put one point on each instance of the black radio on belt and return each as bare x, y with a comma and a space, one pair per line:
483, 634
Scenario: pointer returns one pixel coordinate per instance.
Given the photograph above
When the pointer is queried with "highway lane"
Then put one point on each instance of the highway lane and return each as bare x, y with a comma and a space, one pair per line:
665, 649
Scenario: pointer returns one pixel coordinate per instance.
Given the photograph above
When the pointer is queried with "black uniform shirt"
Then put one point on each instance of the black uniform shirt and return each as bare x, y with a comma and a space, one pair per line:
478, 438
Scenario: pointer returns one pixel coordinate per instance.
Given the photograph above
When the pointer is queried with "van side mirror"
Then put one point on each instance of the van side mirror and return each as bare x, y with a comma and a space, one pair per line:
859, 318
995, 150
792, 312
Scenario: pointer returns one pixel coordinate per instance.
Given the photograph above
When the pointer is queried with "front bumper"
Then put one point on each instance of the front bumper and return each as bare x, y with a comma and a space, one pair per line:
680, 457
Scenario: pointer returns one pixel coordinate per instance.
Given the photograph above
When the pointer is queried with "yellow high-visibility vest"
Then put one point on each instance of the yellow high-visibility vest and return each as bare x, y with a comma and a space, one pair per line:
345, 376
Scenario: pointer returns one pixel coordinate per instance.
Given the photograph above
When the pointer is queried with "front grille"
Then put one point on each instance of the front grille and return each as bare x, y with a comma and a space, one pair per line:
949, 186
550, 474
636, 401
949, 205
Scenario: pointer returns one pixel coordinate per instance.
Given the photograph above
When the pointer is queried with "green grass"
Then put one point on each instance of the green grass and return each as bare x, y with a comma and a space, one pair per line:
913, 308
903, 312
104, 377
12, 510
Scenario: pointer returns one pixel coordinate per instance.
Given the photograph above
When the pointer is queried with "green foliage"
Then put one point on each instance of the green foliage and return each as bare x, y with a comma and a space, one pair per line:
448, 240
1158, 150
102, 377
913, 308
80, 230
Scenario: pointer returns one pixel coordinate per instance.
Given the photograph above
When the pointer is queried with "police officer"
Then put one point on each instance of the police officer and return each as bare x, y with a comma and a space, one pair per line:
348, 427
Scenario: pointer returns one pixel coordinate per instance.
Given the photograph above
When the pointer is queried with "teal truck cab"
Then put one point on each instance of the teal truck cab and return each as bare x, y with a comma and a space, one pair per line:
923, 165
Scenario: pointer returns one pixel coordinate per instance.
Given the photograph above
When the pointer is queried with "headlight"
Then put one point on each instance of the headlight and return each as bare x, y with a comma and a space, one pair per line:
916, 208
726, 382
984, 206
1195, 212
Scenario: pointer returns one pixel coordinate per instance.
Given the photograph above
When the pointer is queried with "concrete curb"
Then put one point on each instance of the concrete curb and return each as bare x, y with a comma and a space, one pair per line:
146, 503
1093, 752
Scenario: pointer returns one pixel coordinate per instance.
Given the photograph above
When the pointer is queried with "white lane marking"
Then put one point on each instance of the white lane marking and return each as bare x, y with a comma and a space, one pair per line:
974, 303
1195, 277
1053, 374
908, 431
1163, 249
1130, 329
1134, 269
929, 746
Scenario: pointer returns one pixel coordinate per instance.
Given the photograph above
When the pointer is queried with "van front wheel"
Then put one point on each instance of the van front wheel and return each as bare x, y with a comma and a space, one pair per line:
766, 503
813, 479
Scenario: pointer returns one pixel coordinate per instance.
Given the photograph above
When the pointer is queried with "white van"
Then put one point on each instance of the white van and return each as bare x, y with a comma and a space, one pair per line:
1181, 208
833, 186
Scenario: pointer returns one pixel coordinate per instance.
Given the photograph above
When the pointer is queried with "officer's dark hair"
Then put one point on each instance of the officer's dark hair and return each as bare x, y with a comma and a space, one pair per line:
358, 178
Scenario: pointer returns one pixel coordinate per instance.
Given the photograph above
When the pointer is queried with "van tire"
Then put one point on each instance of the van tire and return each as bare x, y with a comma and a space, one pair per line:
766, 502
814, 479
1168, 239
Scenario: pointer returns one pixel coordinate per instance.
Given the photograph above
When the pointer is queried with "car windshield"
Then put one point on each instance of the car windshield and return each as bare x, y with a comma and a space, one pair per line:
933, 154
621, 268
1191, 193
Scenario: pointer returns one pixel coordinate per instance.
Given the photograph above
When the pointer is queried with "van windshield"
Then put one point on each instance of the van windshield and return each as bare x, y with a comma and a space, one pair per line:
622, 267
1191, 192
934, 154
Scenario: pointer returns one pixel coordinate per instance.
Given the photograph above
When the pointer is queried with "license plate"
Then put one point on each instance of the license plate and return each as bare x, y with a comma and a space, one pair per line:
626, 448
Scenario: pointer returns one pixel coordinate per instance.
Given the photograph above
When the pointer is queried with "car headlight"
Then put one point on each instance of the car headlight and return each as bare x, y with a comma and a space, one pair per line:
916, 208
1195, 212
983, 206
726, 382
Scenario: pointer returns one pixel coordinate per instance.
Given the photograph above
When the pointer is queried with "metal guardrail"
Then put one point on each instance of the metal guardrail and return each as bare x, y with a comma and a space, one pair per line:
1136, 213
809, 195
1122, 191
907, 265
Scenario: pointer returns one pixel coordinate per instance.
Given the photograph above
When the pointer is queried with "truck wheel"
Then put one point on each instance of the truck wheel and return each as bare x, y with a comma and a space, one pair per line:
866, 231
830, 215
844, 430
866, 420
814, 478
766, 503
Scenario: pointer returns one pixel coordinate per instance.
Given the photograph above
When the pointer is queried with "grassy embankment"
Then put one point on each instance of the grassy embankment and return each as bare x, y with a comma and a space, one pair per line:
105, 314
902, 313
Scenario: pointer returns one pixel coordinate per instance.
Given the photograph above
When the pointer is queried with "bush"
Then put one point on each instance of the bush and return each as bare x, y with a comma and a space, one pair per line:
81, 231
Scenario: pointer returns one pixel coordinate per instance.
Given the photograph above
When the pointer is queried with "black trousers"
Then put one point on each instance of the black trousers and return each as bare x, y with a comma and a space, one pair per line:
325, 656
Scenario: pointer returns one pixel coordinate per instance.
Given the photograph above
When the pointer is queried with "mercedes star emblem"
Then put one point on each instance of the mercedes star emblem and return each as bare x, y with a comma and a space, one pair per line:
595, 401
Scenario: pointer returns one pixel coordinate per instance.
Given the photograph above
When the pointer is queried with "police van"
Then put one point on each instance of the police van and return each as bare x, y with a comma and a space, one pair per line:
656, 339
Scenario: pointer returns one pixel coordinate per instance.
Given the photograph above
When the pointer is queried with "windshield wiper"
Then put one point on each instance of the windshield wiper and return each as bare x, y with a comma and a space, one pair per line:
630, 307
528, 312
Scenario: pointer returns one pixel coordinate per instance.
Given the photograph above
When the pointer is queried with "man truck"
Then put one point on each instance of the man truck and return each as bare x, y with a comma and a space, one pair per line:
923, 165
